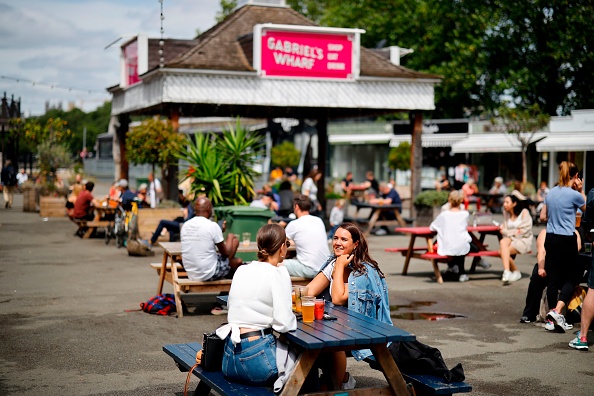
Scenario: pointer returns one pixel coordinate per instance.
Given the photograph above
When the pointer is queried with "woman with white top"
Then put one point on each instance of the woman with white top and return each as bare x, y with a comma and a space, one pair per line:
516, 230
452, 234
259, 302
310, 188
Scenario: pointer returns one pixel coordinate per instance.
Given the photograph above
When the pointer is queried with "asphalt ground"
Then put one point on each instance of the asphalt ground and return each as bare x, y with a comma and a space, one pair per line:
68, 325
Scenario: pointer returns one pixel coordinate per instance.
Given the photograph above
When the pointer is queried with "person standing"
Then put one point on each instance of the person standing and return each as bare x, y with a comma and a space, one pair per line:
9, 182
155, 191
22, 177
559, 212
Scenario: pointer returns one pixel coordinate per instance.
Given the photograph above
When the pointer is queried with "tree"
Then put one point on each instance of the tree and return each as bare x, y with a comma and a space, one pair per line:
536, 52
522, 124
227, 7
399, 157
285, 154
154, 142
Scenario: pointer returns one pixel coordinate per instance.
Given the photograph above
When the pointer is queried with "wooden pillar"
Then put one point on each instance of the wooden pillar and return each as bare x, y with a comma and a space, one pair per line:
121, 131
170, 174
416, 157
322, 128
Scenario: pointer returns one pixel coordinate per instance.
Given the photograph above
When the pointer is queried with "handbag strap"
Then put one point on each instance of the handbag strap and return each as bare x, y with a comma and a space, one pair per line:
189, 376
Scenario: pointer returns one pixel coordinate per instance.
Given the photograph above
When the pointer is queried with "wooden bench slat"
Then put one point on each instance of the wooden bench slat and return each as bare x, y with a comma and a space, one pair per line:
431, 385
185, 356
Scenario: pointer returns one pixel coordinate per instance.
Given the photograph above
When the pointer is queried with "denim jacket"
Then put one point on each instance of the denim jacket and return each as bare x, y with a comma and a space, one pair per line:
368, 295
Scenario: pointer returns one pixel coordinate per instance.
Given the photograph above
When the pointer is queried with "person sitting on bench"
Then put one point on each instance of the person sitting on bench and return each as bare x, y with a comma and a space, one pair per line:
255, 311
200, 238
452, 235
83, 206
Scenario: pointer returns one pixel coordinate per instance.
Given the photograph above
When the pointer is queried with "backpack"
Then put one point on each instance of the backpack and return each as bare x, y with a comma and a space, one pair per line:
161, 304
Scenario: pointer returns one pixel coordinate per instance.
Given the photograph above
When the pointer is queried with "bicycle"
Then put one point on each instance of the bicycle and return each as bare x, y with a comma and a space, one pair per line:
125, 224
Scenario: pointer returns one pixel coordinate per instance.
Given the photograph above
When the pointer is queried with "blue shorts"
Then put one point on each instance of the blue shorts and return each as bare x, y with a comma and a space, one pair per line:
251, 362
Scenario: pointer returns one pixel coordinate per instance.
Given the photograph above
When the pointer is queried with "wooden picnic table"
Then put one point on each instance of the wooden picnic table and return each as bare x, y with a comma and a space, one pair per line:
351, 330
477, 234
169, 269
377, 210
104, 217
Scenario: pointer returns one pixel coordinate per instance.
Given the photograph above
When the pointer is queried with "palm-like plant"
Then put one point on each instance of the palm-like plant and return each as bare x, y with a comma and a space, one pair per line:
221, 167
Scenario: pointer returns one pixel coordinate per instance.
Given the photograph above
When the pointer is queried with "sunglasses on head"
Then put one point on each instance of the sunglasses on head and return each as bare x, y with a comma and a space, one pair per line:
288, 243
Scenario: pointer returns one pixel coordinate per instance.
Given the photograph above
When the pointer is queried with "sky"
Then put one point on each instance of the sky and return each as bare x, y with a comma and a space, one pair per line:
62, 43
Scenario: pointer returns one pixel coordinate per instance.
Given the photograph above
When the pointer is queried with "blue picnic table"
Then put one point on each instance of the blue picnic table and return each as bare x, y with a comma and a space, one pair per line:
351, 330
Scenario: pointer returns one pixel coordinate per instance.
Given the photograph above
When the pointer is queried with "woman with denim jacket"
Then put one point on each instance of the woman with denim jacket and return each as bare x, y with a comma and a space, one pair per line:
355, 281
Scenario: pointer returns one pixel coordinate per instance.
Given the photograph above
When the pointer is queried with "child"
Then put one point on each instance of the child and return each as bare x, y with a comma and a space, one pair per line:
336, 217
452, 235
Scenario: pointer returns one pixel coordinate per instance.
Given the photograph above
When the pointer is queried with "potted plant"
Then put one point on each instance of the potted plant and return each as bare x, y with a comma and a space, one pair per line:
428, 205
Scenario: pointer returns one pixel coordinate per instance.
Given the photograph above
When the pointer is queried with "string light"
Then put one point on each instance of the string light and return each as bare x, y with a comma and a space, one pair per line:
161, 42
52, 86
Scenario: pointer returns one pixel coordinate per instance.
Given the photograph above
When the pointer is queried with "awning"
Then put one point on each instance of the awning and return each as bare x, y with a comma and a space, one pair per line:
372, 138
431, 140
567, 141
493, 143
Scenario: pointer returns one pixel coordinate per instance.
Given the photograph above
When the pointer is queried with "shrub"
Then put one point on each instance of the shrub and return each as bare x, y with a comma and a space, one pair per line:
431, 198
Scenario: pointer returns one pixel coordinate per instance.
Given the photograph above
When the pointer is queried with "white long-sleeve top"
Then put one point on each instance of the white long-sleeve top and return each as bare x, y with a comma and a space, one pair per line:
259, 298
452, 234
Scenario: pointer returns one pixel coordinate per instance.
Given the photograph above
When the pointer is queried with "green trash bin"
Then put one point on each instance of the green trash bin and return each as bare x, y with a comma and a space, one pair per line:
242, 219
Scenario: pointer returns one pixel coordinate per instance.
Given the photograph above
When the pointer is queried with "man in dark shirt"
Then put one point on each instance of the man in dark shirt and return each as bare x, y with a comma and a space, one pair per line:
371, 184
84, 202
346, 182
388, 196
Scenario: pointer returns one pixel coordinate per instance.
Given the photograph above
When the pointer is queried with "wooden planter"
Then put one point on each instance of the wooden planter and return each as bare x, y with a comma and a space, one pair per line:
29, 199
52, 206
425, 215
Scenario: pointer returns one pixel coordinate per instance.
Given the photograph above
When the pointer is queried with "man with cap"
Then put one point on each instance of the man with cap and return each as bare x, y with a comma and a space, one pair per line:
126, 196
200, 239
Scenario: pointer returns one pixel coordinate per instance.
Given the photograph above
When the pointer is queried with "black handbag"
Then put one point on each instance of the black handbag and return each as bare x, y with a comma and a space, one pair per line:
212, 352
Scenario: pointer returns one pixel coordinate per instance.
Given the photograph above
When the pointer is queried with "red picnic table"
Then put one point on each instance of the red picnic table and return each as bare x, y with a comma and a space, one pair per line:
477, 233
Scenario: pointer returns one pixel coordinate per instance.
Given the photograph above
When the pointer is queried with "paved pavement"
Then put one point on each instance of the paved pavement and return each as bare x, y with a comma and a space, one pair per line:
65, 328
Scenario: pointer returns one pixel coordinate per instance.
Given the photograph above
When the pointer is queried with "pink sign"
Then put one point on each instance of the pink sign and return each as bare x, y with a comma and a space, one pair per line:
306, 55
131, 61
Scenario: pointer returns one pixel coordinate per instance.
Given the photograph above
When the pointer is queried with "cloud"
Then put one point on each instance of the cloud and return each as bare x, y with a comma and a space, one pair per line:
62, 42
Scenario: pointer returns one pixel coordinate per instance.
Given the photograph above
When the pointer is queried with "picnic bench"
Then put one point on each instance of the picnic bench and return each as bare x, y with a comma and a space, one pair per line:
426, 252
172, 271
350, 331
377, 210
103, 219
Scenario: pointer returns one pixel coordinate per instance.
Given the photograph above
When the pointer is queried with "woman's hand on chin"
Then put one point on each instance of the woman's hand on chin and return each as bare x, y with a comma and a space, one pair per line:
343, 260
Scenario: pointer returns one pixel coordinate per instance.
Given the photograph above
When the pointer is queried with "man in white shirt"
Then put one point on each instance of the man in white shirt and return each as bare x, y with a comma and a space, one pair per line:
200, 238
309, 234
155, 190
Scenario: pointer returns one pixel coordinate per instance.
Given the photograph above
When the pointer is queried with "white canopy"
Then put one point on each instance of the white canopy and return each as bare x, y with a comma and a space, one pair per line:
494, 142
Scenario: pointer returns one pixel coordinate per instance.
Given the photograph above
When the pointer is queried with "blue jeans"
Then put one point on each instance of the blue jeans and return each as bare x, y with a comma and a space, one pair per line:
170, 225
251, 362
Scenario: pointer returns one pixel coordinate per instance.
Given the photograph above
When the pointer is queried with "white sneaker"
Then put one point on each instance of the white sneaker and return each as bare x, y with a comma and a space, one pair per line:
484, 264
380, 232
506, 276
463, 278
515, 276
559, 321
350, 384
